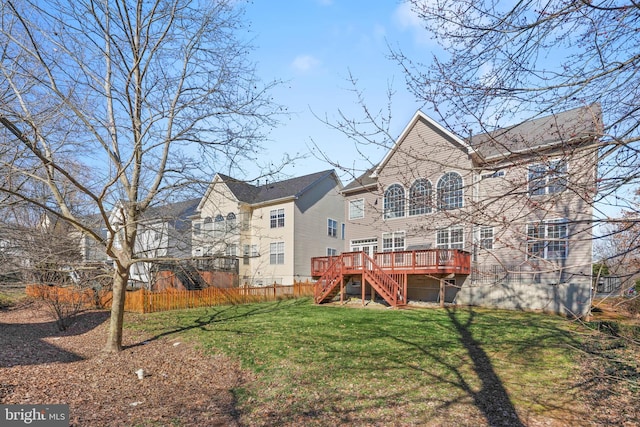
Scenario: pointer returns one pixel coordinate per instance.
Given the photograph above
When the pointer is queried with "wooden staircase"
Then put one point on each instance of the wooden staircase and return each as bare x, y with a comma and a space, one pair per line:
328, 285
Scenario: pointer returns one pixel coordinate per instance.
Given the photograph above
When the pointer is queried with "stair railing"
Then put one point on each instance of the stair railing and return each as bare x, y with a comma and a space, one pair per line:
327, 281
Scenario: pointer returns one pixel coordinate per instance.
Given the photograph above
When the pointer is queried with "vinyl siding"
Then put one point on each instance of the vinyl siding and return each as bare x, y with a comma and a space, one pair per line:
313, 209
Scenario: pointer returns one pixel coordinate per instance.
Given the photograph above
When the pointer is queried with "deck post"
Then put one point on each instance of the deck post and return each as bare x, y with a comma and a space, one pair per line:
405, 290
442, 292
363, 288
341, 289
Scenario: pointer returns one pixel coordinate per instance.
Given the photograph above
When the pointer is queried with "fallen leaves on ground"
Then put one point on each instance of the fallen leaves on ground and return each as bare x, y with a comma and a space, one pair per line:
180, 386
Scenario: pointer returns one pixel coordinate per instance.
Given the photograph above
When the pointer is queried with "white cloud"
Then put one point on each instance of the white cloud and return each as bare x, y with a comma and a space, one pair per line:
305, 63
408, 20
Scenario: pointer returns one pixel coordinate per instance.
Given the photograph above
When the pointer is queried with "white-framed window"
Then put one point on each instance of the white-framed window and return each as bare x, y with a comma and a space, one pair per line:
332, 228
486, 237
356, 209
231, 222
450, 191
450, 238
547, 239
197, 228
547, 178
276, 253
232, 250
394, 201
246, 251
276, 218
393, 242
218, 226
420, 195
496, 174
332, 252
369, 246
254, 251
207, 226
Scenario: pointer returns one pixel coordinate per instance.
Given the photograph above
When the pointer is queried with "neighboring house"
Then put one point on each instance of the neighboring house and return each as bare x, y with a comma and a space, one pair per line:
164, 232
272, 229
502, 219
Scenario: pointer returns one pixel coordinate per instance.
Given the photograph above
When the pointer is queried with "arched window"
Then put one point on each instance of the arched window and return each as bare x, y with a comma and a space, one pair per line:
231, 222
218, 225
207, 225
450, 191
394, 201
420, 197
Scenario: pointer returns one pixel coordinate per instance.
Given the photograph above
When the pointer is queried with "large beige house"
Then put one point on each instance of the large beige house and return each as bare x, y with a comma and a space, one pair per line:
272, 230
500, 219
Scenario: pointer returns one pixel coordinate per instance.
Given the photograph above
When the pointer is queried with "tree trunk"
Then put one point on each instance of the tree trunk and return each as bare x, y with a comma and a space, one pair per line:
120, 279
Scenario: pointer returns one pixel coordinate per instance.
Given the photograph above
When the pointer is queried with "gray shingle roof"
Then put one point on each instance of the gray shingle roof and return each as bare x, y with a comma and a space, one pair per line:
568, 127
363, 181
252, 194
179, 211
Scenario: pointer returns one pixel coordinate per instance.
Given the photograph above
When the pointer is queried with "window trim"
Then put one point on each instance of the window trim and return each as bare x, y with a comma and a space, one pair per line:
426, 207
552, 179
395, 236
276, 218
361, 209
450, 193
399, 199
448, 244
545, 241
276, 253
482, 238
332, 231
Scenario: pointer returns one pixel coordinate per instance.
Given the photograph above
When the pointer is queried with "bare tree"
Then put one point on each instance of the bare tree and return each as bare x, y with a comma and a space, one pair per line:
504, 63
498, 66
152, 96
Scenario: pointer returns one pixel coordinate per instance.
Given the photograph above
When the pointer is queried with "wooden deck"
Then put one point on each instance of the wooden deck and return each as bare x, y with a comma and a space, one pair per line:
426, 261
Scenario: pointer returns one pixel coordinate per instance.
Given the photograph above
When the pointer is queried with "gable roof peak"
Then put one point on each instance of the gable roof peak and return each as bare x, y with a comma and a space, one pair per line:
251, 194
418, 116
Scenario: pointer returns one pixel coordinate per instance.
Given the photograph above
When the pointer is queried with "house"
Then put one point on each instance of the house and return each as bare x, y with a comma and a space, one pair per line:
271, 229
163, 233
501, 219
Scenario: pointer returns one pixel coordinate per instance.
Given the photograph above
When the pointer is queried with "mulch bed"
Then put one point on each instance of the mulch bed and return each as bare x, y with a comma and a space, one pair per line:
181, 385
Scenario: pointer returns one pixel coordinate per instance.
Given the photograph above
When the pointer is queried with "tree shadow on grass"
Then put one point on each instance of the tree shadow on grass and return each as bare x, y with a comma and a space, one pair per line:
220, 314
492, 398
24, 343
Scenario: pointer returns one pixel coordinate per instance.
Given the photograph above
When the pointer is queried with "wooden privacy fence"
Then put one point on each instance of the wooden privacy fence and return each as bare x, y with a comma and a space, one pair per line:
70, 295
143, 301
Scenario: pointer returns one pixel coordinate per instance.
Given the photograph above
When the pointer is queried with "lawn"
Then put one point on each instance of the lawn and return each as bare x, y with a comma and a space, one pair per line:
335, 365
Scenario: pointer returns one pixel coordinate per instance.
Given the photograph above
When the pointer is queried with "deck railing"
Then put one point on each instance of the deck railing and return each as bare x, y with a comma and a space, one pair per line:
424, 261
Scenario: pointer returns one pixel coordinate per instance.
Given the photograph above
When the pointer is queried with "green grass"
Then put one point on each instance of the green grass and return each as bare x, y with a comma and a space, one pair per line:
10, 294
336, 365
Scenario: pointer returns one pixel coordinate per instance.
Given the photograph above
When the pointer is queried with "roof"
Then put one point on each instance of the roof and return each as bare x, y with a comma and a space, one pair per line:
363, 181
568, 127
293, 187
171, 211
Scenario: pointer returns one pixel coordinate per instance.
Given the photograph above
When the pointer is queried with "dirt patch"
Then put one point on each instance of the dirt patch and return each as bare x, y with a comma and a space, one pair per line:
181, 385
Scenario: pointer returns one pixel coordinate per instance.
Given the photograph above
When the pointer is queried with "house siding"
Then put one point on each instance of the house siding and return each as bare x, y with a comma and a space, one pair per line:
498, 200
313, 209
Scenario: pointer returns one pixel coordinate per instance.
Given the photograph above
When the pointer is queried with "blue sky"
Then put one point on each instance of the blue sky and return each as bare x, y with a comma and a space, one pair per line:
313, 45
